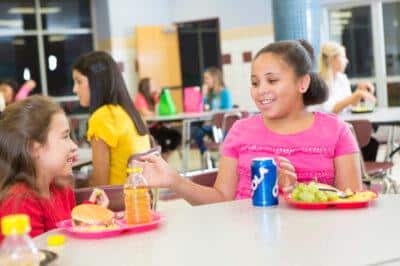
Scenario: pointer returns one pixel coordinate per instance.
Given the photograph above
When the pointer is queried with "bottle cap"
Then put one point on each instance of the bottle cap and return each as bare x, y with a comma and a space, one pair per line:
17, 224
136, 169
55, 240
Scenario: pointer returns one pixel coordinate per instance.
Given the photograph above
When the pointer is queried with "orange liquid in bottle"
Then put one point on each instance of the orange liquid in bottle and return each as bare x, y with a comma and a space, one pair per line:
137, 205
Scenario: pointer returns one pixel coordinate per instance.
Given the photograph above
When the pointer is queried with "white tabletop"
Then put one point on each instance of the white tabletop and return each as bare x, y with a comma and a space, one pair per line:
236, 233
183, 116
380, 115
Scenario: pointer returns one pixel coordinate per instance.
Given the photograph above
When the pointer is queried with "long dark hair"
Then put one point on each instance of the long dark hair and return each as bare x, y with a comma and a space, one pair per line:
107, 85
144, 89
299, 58
21, 124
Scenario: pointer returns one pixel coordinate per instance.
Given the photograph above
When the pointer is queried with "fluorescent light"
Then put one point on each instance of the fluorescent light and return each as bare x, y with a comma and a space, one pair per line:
341, 14
18, 42
50, 10
11, 23
21, 10
31, 10
56, 38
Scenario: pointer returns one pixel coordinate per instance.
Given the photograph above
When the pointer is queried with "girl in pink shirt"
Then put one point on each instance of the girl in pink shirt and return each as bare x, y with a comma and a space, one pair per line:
306, 145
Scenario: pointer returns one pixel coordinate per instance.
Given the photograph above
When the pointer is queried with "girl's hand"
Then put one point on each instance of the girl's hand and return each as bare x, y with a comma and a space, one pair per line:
99, 197
366, 86
157, 172
363, 94
367, 96
287, 176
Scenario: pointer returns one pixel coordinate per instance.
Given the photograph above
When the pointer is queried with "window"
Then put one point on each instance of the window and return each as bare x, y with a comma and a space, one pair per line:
61, 51
64, 29
69, 14
391, 21
17, 15
352, 27
19, 59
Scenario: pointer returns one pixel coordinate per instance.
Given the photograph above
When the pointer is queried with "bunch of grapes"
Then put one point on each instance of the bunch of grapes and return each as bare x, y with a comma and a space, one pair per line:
311, 193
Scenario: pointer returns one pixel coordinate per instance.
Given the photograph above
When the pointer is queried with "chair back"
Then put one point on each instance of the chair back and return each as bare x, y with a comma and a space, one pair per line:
216, 122
363, 131
156, 150
364, 172
115, 194
229, 119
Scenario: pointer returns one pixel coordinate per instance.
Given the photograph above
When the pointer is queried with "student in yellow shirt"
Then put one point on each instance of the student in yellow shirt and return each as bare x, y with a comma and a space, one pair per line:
115, 128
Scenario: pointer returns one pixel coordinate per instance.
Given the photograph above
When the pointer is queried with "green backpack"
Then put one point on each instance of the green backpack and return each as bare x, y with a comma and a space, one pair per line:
166, 105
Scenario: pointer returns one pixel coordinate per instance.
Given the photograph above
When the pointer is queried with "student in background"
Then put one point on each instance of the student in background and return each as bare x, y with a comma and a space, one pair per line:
36, 157
115, 128
305, 145
216, 97
146, 101
8, 89
332, 63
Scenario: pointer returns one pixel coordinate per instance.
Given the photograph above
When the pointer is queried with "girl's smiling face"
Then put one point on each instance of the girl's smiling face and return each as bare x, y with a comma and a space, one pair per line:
55, 157
275, 87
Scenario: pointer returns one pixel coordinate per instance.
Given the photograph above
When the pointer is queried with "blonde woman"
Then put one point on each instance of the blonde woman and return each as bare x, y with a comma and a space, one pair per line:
332, 64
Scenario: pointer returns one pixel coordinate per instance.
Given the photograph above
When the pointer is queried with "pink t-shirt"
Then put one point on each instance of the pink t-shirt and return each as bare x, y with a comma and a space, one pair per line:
311, 151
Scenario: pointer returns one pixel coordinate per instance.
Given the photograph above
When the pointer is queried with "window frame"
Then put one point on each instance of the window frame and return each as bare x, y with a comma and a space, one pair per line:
40, 33
380, 78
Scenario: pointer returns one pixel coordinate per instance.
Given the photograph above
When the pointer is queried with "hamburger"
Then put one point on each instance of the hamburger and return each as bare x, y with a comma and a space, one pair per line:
91, 214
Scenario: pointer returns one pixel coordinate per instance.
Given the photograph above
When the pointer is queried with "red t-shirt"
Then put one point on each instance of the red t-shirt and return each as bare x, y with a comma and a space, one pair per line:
43, 213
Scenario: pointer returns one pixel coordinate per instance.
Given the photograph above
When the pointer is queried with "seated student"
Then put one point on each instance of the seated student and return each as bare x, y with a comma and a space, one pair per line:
306, 145
146, 101
9, 87
36, 163
332, 63
116, 130
216, 97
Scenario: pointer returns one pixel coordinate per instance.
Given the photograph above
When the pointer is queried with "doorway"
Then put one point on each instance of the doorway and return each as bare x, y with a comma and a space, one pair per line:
199, 47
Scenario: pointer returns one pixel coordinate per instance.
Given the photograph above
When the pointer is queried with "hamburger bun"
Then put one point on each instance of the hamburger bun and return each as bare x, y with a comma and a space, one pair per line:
91, 214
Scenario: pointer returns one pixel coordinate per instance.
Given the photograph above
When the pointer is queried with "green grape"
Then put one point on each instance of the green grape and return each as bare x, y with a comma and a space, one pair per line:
302, 187
312, 187
306, 196
320, 196
296, 193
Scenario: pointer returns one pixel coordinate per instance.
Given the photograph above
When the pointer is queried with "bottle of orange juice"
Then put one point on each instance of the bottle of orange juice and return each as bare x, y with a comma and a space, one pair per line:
137, 198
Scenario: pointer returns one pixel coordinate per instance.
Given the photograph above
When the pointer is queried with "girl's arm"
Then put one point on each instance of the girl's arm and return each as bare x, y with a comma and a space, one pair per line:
159, 174
101, 162
354, 99
342, 104
24, 91
348, 172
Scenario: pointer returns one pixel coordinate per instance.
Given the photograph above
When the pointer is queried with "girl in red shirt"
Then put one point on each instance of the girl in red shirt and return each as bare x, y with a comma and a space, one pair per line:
36, 157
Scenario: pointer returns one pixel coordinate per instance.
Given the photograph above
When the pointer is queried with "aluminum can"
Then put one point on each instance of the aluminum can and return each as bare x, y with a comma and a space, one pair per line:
264, 182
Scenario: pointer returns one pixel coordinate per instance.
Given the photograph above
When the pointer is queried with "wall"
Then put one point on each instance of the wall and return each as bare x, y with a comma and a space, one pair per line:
243, 28
123, 17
